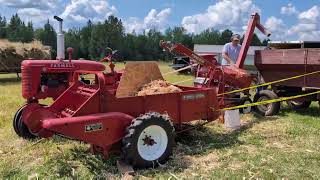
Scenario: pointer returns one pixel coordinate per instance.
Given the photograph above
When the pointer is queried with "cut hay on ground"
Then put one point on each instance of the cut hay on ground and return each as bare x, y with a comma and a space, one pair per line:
13, 53
158, 87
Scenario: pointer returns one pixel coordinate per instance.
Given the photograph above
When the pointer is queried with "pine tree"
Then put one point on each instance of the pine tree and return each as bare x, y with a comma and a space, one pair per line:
14, 28
28, 33
48, 37
225, 36
85, 36
72, 38
255, 40
3, 27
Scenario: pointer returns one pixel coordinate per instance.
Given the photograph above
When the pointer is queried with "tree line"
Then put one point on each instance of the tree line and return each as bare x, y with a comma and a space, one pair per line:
92, 40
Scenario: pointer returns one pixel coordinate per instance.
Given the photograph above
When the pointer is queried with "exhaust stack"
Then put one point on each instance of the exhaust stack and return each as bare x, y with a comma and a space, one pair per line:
60, 40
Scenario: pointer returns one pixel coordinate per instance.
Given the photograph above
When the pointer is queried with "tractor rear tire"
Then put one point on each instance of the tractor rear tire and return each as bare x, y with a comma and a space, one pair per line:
246, 110
267, 109
149, 141
295, 105
19, 126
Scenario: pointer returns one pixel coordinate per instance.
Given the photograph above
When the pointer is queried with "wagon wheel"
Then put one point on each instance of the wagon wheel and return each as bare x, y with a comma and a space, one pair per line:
266, 109
149, 141
243, 101
295, 105
19, 127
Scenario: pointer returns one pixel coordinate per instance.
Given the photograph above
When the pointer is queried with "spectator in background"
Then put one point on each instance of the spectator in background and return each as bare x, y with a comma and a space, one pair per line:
231, 50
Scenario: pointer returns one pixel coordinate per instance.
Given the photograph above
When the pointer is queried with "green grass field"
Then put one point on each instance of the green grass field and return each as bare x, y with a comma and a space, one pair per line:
284, 146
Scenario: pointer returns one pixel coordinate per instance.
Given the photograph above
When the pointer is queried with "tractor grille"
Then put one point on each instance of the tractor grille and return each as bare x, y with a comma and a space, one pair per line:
26, 81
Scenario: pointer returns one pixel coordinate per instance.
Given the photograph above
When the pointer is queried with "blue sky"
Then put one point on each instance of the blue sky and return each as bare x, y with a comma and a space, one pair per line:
287, 19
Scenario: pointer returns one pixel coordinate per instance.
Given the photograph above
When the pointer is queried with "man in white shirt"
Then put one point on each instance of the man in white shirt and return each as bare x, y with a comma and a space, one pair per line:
231, 50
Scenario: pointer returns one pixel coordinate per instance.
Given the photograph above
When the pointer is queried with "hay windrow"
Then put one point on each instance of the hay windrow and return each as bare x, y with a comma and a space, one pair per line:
13, 53
157, 87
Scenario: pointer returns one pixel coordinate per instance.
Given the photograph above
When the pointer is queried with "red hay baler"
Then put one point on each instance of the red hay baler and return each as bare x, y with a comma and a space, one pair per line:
143, 126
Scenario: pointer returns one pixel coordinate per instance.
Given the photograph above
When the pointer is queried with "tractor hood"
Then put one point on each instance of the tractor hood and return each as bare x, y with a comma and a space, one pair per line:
65, 66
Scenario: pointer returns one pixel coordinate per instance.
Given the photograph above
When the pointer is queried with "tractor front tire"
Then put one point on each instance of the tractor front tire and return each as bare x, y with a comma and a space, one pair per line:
149, 141
20, 128
266, 109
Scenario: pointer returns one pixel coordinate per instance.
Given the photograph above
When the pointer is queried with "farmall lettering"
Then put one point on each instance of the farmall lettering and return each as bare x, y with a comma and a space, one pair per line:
62, 65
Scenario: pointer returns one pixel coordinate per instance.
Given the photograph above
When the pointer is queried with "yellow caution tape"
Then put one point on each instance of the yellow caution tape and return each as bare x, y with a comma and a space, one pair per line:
267, 101
269, 83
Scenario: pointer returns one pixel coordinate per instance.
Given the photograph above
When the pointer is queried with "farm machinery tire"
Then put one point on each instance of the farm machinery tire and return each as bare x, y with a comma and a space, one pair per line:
295, 105
19, 127
245, 100
149, 141
267, 109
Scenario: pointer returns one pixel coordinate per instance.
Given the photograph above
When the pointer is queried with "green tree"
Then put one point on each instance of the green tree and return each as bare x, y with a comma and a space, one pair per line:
265, 42
14, 28
255, 40
225, 36
208, 36
48, 37
3, 27
109, 34
85, 36
27, 32
72, 38
96, 44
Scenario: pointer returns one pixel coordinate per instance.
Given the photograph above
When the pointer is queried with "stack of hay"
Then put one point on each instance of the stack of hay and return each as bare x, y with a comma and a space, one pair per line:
13, 53
157, 87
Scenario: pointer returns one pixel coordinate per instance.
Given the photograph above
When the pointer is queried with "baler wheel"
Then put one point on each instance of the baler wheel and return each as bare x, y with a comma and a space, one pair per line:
20, 128
149, 141
267, 109
295, 105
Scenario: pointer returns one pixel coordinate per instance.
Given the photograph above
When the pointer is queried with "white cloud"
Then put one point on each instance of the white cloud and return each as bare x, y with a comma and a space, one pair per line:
37, 16
311, 15
39, 4
277, 28
308, 26
273, 23
232, 14
74, 12
153, 20
289, 9
80, 11
37, 11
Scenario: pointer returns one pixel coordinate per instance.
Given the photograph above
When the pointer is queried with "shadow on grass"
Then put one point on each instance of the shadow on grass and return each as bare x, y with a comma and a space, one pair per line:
311, 111
79, 162
9, 79
209, 139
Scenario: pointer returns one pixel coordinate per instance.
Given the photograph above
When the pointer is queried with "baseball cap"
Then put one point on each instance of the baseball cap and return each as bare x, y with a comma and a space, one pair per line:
235, 37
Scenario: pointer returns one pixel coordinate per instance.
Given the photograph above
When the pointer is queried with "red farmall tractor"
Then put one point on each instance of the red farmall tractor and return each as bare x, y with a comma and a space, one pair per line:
49, 79
141, 128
